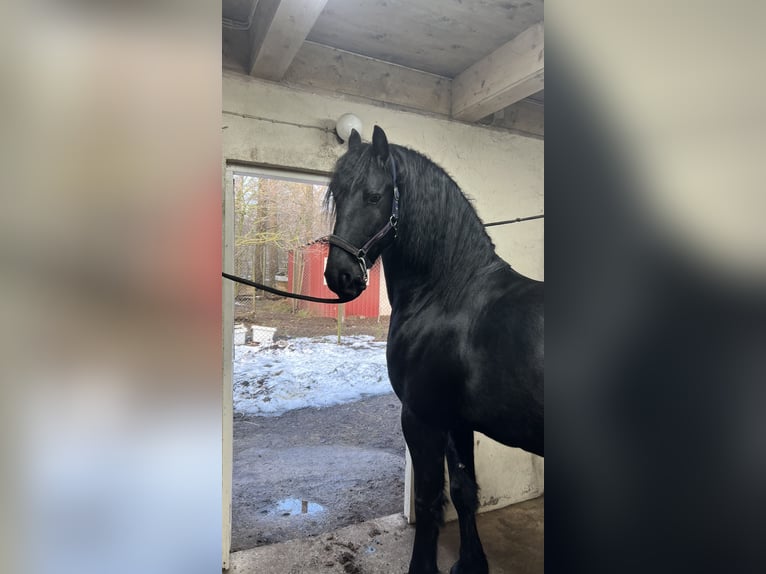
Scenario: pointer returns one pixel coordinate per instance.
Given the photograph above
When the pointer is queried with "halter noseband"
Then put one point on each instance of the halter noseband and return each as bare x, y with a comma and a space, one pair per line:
393, 221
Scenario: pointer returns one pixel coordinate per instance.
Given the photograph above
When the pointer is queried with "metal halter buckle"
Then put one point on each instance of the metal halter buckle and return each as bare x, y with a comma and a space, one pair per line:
363, 264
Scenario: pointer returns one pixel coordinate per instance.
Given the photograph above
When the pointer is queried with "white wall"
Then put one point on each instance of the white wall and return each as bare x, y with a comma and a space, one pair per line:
272, 125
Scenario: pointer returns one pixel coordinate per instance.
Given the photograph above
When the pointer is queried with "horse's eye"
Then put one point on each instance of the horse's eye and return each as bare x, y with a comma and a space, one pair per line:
374, 198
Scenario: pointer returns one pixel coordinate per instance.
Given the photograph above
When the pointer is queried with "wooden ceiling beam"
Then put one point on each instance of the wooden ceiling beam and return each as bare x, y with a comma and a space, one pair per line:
278, 31
511, 73
331, 70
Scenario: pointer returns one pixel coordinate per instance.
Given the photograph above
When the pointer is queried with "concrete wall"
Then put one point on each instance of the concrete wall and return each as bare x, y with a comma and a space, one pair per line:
267, 124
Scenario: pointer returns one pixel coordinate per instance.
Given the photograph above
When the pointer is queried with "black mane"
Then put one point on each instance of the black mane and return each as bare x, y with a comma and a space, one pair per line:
440, 233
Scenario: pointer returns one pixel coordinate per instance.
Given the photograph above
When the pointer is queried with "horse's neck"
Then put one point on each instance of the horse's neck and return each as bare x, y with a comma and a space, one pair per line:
440, 257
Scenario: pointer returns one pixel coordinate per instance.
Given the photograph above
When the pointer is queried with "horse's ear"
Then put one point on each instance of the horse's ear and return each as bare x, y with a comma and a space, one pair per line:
354, 139
380, 143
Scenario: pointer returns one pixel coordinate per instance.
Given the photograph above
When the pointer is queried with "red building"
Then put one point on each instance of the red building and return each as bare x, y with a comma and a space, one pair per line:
312, 260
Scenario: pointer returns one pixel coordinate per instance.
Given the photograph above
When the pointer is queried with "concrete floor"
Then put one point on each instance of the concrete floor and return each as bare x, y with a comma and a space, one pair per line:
512, 538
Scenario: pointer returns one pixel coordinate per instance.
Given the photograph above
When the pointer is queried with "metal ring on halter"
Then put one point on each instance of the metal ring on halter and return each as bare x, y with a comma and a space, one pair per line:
393, 220
361, 259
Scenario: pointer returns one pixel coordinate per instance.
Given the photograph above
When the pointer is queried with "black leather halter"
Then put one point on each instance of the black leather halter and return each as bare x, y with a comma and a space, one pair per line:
361, 252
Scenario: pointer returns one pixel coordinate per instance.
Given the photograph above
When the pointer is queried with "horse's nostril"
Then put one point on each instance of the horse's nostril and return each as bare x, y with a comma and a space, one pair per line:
345, 279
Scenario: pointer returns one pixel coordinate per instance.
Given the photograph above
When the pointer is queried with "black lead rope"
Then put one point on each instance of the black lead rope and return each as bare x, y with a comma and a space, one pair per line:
284, 293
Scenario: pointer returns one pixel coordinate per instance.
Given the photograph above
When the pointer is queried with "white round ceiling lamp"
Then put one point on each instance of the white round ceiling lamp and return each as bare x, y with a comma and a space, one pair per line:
345, 124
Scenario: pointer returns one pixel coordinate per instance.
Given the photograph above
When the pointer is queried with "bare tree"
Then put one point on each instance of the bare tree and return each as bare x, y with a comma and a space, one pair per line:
272, 218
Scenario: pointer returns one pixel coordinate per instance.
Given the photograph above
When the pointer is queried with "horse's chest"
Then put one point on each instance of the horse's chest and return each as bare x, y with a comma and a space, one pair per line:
426, 371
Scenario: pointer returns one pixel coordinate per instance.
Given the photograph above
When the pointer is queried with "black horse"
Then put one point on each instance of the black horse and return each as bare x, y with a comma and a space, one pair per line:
465, 342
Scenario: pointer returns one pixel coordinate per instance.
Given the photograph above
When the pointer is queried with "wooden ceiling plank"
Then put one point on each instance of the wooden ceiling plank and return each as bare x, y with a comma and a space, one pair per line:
278, 32
511, 73
321, 67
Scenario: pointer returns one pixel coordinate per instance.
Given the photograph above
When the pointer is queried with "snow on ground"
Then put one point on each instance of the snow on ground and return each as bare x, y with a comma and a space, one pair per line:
308, 372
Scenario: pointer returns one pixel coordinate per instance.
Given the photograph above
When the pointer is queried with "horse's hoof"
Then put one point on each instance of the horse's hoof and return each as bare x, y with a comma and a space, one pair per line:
477, 567
423, 570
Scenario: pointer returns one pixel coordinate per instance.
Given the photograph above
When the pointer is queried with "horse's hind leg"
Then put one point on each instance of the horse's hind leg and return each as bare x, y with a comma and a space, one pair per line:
426, 446
464, 494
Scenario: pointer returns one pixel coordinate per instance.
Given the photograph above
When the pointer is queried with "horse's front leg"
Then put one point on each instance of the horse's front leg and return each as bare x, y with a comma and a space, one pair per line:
464, 494
426, 446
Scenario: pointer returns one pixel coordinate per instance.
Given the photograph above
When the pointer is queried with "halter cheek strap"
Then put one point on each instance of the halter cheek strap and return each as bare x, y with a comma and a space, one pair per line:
394, 219
392, 223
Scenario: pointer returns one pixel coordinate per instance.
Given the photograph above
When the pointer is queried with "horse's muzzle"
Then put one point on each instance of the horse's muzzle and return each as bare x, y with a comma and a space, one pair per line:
345, 284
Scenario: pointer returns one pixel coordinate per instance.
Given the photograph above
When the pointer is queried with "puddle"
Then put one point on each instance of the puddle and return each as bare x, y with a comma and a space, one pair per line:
293, 506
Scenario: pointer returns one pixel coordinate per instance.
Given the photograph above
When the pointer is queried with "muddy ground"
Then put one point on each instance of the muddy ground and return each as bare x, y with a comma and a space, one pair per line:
341, 465
328, 468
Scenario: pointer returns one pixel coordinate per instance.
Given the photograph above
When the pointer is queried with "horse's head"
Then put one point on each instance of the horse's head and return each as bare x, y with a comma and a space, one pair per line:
362, 190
